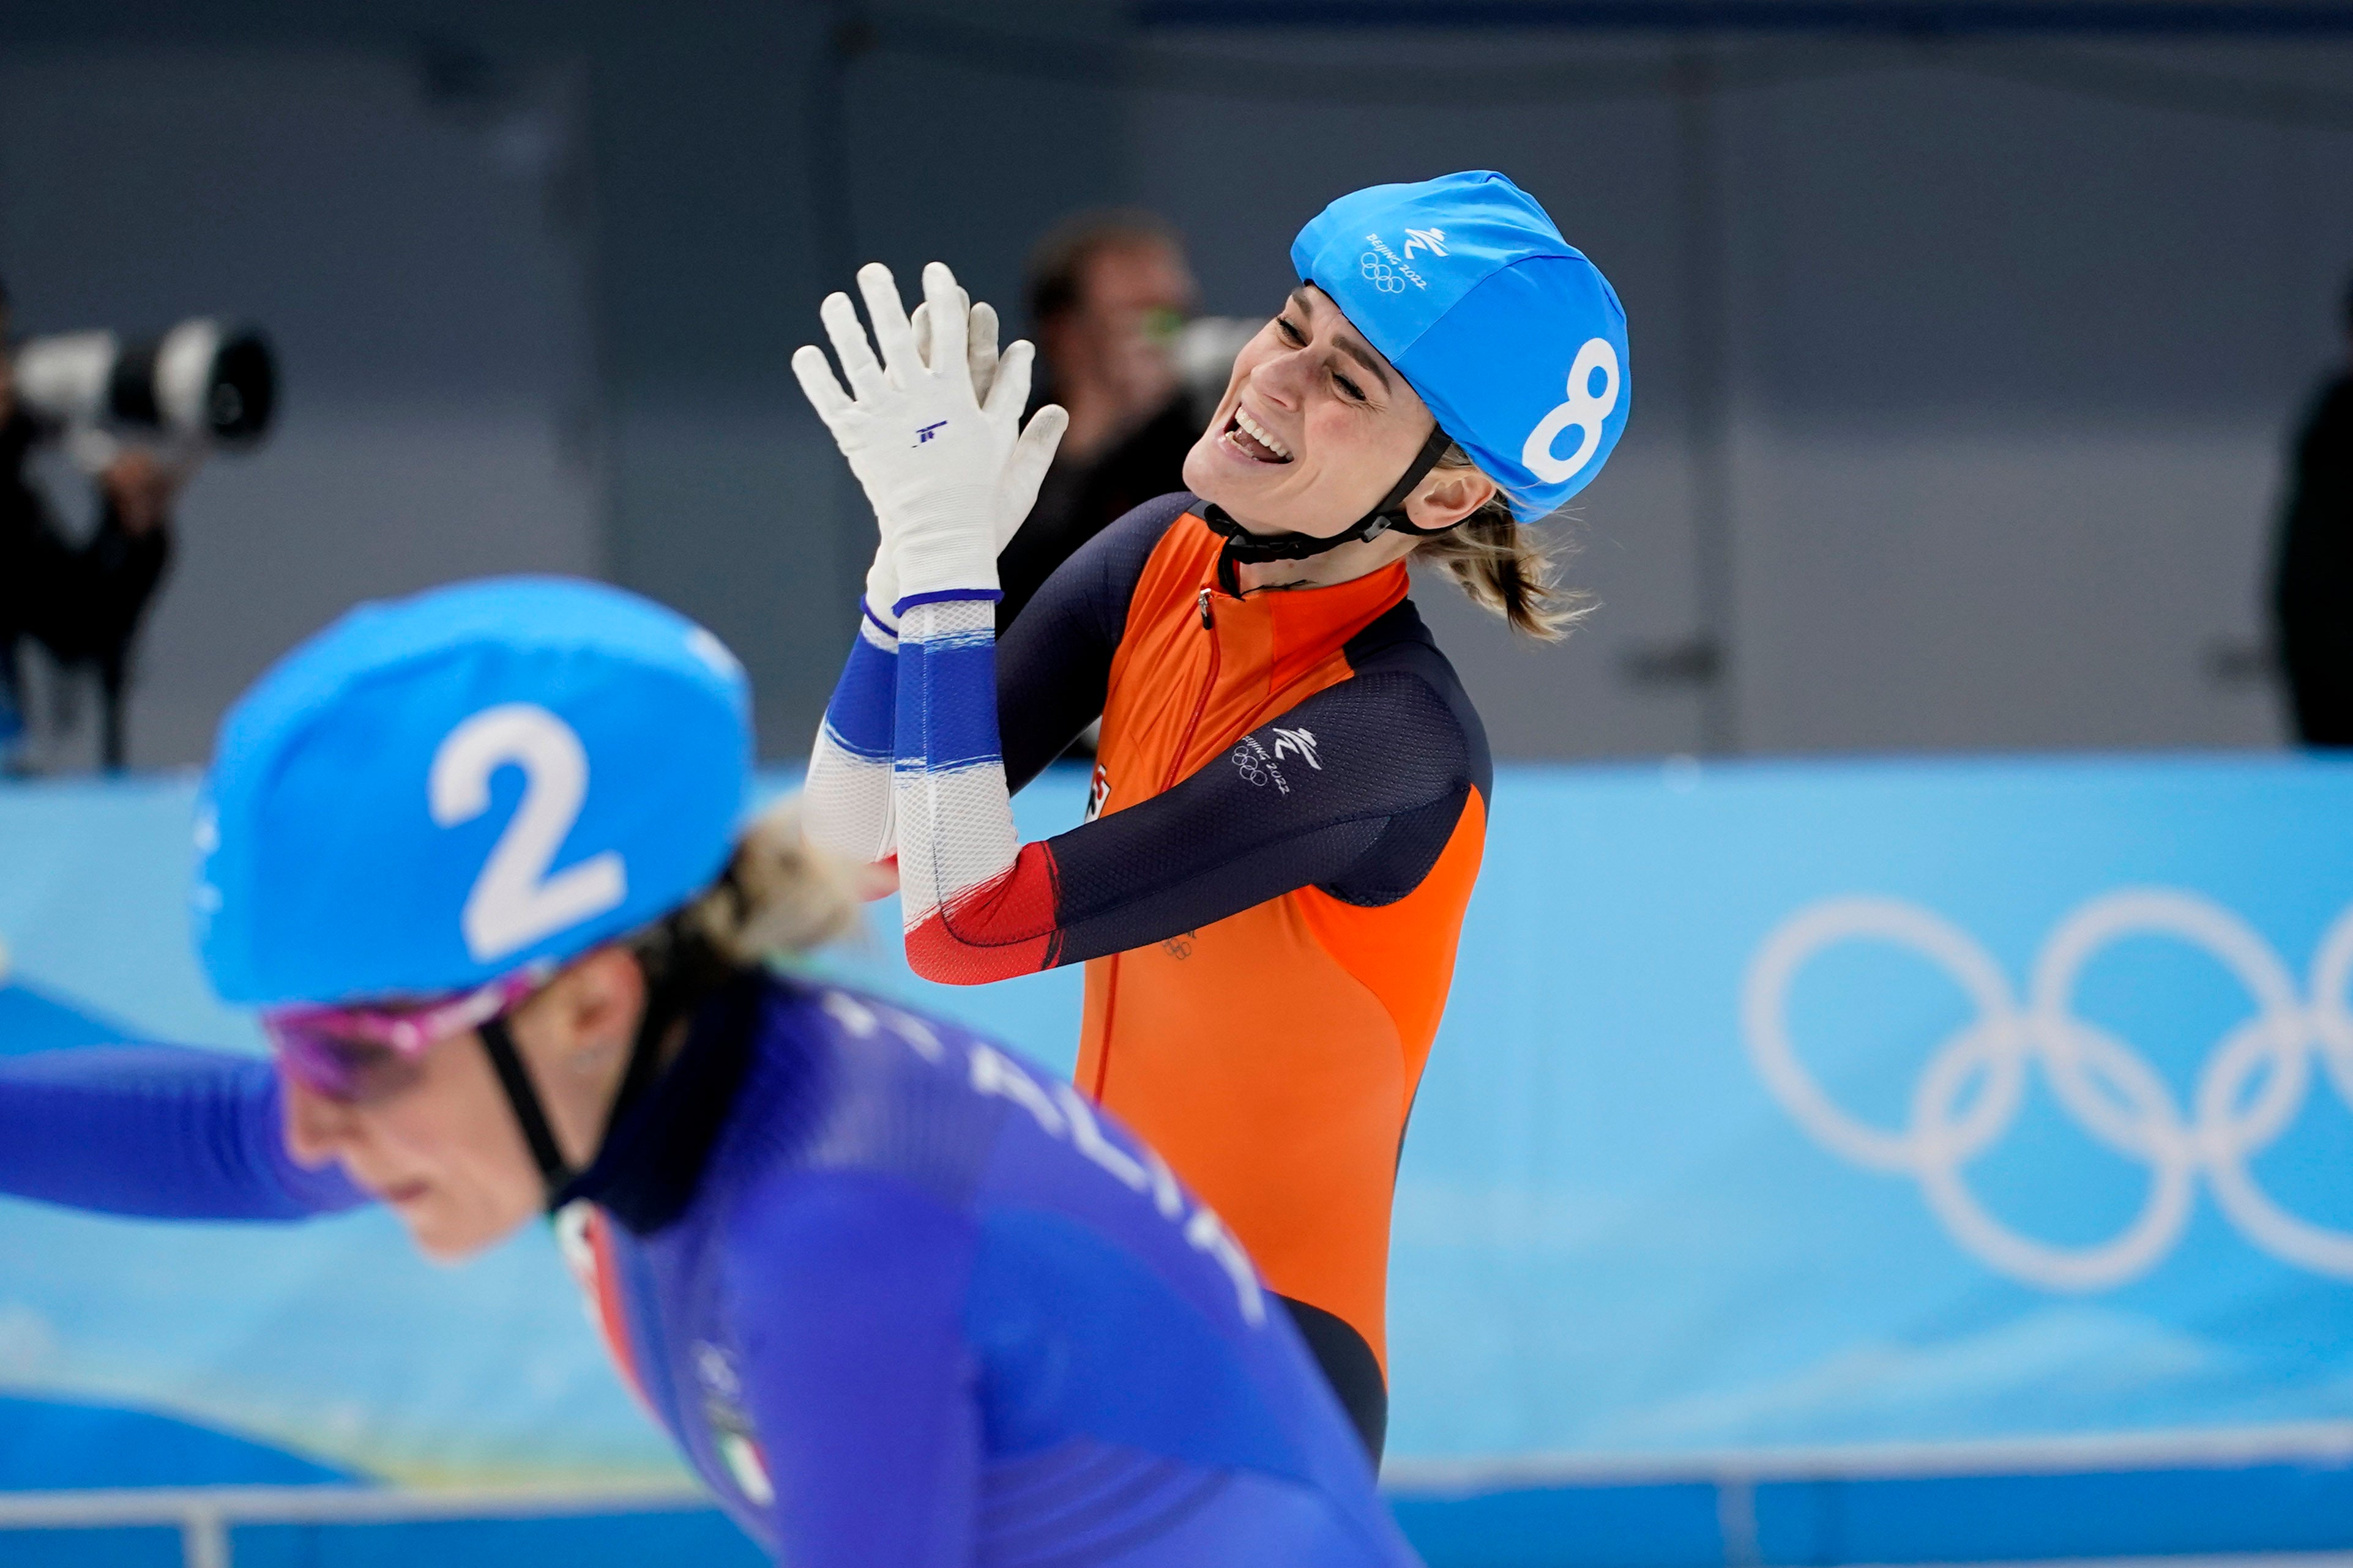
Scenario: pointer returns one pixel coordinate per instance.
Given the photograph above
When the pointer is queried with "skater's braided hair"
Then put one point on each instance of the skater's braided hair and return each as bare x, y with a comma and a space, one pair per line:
777, 898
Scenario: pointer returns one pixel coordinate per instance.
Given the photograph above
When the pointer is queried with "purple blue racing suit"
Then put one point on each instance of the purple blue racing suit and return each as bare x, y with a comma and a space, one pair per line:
901, 1299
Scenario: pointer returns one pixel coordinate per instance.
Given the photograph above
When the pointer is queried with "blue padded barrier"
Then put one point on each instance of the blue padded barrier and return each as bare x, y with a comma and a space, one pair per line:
1839, 1110
1989, 1519
1663, 1525
704, 1539
144, 1548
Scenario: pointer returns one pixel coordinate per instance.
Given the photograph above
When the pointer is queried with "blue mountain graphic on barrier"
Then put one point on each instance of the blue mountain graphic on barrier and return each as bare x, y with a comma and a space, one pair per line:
47, 1445
32, 1020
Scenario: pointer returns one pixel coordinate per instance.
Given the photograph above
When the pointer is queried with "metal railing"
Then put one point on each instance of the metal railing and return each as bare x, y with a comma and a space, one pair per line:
204, 1515
1737, 1475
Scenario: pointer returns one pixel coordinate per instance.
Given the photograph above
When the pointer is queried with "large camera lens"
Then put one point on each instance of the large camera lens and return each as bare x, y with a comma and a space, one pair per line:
202, 378
244, 388
200, 381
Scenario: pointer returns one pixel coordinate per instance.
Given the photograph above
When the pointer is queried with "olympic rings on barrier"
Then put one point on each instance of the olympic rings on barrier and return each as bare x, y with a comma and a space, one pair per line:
2110, 1090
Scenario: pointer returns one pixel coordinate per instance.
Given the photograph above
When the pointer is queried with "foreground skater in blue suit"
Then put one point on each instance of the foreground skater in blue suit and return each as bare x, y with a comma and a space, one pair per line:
900, 1299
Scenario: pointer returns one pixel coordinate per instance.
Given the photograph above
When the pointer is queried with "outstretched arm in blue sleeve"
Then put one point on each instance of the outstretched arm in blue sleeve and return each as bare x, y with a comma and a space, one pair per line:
158, 1131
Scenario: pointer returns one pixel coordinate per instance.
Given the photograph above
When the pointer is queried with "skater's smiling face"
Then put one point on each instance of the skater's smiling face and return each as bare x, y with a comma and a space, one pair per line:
1314, 429
433, 1135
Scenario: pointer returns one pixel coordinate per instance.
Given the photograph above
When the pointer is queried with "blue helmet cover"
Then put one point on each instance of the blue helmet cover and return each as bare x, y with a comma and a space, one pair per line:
1513, 338
438, 791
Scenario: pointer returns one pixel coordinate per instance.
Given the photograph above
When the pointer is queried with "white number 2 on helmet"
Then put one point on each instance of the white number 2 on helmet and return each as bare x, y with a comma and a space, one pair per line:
514, 901
1584, 412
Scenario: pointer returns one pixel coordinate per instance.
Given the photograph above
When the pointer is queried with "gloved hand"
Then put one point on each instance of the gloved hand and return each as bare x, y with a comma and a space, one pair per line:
1033, 454
980, 354
980, 341
947, 472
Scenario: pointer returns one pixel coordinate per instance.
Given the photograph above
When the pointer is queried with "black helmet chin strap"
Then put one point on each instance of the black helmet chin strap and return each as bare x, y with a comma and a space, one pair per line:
1244, 548
662, 1009
554, 1170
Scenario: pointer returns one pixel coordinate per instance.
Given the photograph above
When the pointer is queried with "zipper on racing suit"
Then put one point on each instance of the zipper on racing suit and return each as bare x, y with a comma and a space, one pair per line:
1176, 766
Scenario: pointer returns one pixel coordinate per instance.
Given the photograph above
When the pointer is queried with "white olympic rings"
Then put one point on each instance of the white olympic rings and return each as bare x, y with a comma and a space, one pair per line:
2251, 1088
1379, 273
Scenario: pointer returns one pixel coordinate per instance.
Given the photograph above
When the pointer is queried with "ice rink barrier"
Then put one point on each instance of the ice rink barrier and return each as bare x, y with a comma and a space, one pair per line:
1875, 1161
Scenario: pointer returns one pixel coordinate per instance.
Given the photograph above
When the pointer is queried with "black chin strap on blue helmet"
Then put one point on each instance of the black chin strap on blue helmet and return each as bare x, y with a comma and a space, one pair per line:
666, 1003
1244, 548
556, 1172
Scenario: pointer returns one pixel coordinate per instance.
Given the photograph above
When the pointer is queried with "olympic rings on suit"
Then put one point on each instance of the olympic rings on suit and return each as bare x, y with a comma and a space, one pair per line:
1380, 274
2110, 1089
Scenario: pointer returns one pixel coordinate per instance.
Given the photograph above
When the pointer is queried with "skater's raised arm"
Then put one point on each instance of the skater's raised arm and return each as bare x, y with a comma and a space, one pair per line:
848, 809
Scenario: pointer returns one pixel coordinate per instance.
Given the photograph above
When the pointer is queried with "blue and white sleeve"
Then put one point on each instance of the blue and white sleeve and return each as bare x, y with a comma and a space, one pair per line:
845, 804
156, 1131
959, 854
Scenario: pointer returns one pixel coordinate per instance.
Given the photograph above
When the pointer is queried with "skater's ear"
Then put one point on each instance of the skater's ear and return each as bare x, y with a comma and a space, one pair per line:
574, 1037
586, 1015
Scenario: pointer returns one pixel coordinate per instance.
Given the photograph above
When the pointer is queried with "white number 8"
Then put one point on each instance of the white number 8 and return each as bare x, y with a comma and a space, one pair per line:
1583, 412
514, 901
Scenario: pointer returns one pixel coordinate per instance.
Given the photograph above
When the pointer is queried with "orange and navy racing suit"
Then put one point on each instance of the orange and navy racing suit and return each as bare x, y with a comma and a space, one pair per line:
1287, 818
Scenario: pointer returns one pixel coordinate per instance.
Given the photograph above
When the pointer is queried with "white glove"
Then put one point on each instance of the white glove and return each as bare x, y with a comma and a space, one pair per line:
979, 342
942, 467
1016, 486
980, 354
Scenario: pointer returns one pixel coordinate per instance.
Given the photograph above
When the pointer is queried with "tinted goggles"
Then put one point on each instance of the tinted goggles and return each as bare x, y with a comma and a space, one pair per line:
363, 1053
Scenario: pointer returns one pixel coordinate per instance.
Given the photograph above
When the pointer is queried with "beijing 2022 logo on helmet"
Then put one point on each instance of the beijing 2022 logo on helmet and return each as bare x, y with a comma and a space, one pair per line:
2252, 1089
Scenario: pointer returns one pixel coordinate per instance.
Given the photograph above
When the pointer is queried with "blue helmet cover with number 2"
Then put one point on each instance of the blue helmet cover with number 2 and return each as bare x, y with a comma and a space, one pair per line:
437, 790
1513, 338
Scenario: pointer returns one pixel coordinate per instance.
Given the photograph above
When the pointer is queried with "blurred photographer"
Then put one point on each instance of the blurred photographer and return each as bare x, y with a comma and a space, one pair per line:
1108, 294
2312, 571
81, 602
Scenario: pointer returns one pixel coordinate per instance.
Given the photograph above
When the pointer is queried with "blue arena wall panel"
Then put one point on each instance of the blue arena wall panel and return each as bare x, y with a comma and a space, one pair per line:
1882, 1160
